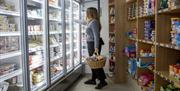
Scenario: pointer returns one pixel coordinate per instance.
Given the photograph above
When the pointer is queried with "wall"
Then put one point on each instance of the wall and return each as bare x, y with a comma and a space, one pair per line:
104, 31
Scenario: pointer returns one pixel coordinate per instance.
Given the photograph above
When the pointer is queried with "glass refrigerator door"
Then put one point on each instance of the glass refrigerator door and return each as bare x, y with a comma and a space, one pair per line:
84, 51
55, 38
36, 40
10, 46
68, 30
76, 36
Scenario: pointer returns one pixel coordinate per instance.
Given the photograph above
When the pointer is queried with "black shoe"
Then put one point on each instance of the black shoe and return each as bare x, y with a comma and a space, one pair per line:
90, 82
101, 85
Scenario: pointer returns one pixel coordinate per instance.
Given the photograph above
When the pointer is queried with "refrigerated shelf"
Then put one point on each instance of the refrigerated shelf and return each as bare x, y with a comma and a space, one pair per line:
36, 1
75, 50
55, 45
38, 87
55, 32
68, 53
39, 48
37, 65
35, 33
9, 13
55, 7
10, 54
10, 34
55, 20
10, 75
35, 18
56, 77
55, 58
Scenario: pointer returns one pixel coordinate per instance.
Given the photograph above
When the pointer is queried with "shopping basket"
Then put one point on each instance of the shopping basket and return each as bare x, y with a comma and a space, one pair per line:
96, 62
4, 86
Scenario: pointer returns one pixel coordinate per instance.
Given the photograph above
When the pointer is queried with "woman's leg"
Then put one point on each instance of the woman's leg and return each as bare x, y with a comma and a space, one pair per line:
101, 75
91, 50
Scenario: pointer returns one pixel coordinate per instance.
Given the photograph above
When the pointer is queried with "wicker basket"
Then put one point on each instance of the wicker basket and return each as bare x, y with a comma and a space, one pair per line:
96, 64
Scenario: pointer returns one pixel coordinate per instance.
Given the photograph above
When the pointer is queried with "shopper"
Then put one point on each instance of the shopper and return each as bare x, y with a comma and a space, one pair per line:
94, 43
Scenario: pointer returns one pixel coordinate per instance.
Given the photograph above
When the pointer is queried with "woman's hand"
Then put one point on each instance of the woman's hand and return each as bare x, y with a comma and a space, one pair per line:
96, 50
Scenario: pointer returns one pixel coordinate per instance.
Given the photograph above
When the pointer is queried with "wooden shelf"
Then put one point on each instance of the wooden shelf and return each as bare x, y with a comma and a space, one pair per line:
165, 54
169, 46
111, 4
167, 77
146, 41
170, 10
112, 23
130, 1
133, 39
146, 16
132, 19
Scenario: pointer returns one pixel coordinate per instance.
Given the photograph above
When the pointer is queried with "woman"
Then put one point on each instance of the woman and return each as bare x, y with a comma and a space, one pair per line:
94, 45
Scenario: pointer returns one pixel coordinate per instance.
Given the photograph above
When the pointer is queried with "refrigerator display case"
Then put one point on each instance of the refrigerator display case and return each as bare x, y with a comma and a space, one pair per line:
84, 50
16, 53
68, 31
10, 45
55, 39
36, 44
76, 35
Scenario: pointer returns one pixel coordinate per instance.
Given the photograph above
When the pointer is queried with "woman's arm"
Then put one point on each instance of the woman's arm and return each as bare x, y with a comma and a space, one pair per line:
96, 33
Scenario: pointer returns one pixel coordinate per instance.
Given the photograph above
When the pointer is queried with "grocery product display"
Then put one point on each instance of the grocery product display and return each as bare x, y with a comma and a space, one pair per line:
130, 50
112, 15
169, 87
164, 4
42, 40
146, 80
36, 45
76, 36
149, 30
146, 7
147, 52
132, 11
55, 39
69, 34
112, 41
157, 43
10, 45
174, 70
132, 34
84, 50
175, 32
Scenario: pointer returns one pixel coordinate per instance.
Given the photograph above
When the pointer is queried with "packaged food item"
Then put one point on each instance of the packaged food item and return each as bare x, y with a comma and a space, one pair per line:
174, 70
37, 76
145, 79
149, 30
2, 45
7, 68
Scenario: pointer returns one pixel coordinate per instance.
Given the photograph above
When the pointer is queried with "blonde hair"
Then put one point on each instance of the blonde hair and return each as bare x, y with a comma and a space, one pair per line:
92, 13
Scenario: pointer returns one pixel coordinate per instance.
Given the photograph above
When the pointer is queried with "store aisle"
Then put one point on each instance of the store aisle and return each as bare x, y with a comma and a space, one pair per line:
80, 86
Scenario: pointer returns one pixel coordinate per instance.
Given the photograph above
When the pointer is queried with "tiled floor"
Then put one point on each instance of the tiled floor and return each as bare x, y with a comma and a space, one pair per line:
80, 86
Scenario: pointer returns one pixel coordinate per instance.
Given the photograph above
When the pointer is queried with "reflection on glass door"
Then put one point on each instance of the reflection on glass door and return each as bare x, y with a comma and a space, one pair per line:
84, 51
76, 36
10, 45
55, 37
68, 30
36, 40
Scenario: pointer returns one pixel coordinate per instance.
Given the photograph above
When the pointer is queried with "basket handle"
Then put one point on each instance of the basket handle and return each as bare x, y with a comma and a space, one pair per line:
96, 52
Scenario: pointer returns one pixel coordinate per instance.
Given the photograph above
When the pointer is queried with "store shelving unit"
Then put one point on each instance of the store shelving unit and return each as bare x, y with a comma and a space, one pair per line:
112, 43
165, 53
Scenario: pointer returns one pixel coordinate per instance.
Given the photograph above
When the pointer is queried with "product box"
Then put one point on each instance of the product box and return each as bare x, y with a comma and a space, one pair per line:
2, 45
